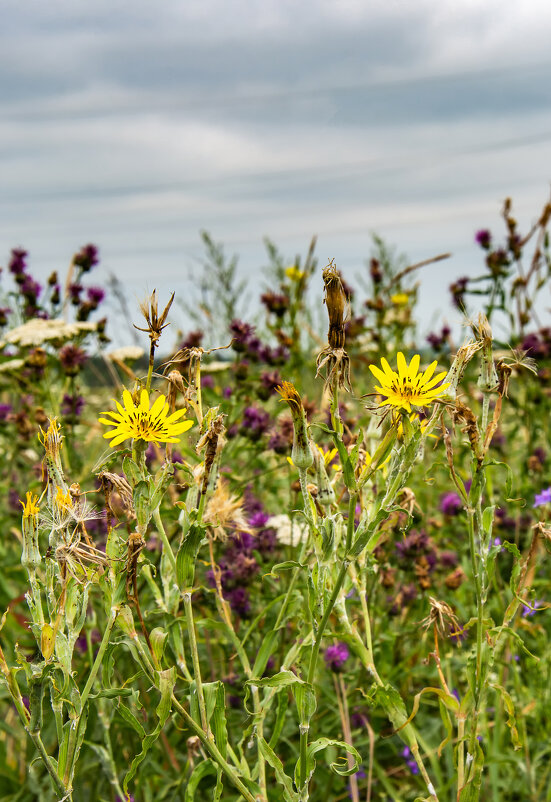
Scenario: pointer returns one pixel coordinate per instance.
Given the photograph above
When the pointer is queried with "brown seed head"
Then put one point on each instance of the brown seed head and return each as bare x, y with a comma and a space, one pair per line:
337, 305
155, 321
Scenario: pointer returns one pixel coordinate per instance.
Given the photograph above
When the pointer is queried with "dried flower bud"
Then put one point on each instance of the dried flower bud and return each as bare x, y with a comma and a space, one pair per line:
301, 453
337, 305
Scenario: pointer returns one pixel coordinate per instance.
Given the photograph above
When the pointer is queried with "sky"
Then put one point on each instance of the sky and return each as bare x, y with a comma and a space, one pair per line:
135, 125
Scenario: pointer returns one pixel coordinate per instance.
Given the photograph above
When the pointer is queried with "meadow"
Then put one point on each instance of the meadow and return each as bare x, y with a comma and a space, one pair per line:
255, 561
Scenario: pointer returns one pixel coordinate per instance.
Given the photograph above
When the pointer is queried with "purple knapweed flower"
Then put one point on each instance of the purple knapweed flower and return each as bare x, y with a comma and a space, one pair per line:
258, 519
336, 656
72, 405
255, 422
483, 238
95, 295
5, 410
239, 601
18, 261
86, 258
542, 498
30, 288
450, 504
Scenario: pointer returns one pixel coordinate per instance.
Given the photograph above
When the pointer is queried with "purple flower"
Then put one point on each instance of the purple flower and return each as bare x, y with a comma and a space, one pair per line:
227, 392
95, 295
542, 498
411, 764
86, 258
242, 333
207, 381
72, 358
258, 519
18, 261
193, 339
255, 422
75, 291
336, 656
483, 238
5, 410
529, 610
239, 601
266, 541
30, 288
450, 504
72, 406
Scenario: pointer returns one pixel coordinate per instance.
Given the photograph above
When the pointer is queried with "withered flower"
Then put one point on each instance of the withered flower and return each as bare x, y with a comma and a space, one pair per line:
334, 358
443, 618
301, 453
155, 321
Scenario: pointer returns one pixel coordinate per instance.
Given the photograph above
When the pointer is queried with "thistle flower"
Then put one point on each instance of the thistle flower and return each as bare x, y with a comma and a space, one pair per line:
86, 258
336, 656
139, 422
408, 387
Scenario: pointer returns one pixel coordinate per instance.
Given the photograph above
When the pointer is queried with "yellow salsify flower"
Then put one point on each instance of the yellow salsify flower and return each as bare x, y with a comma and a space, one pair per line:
139, 422
30, 506
294, 273
408, 387
400, 299
63, 500
327, 456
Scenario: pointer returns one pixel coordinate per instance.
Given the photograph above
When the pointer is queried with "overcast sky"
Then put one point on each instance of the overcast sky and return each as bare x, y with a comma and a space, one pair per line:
134, 125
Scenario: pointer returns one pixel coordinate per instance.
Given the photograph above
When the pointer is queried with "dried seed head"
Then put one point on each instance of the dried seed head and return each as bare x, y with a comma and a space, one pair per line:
155, 321
337, 305
443, 617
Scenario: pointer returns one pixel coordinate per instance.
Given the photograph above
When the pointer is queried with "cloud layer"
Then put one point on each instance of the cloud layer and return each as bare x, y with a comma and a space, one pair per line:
135, 126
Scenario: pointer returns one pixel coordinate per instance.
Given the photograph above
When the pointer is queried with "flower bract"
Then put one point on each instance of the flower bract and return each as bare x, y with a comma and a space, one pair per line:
408, 386
139, 422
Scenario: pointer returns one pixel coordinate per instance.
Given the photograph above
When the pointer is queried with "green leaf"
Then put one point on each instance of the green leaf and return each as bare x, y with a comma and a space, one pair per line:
289, 794
202, 769
166, 682
131, 719
131, 471
339, 768
511, 719
186, 557
264, 653
280, 680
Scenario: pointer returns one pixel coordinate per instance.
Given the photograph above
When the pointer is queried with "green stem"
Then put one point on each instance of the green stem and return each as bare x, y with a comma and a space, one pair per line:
304, 726
167, 548
74, 732
196, 664
208, 743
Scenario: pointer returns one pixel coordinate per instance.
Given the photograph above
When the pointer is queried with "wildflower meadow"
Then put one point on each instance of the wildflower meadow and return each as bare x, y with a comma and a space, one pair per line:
295, 554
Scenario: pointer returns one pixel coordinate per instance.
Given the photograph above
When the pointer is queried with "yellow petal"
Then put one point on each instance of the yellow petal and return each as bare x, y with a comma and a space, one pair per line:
414, 366
144, 401
157, 407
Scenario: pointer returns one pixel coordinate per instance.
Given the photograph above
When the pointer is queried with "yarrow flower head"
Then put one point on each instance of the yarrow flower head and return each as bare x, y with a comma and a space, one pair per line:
408, 387
139, 422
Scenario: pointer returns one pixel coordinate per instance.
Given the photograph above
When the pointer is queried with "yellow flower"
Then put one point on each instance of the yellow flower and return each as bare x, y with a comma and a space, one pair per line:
400, 299
408, 387
142, 423
328, 457
30, 507
294, 273
63, 500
